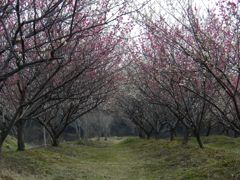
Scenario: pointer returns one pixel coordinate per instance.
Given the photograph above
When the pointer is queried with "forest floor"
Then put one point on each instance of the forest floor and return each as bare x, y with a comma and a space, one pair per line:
125, 158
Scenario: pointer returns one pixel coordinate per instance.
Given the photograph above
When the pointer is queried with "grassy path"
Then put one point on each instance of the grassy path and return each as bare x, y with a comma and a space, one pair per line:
128, 159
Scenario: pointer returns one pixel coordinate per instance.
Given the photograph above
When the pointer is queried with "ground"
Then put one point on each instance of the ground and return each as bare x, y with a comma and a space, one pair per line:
126, 158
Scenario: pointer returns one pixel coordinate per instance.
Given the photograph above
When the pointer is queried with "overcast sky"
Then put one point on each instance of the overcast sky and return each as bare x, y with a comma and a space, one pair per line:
161, 6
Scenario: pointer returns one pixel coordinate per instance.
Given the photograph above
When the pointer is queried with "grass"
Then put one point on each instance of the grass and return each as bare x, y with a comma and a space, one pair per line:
126, 158
10, 144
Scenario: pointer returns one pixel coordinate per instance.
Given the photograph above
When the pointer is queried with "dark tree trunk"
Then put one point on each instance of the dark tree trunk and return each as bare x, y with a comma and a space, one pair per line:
157, 135
1, 144
148, 135
55, 141
172, 133
3, 136
199, 141
44, 137
208, 130
20, 135
105, 137
77, 129
171, 136
236, 134
227, 132
186, 136
140, 134
5, 130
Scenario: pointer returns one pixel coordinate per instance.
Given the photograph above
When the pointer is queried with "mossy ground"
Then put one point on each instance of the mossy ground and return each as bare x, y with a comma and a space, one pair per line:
127, 158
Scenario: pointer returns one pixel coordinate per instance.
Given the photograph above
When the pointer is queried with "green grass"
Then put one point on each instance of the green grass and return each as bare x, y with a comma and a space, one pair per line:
127, 158
10, 144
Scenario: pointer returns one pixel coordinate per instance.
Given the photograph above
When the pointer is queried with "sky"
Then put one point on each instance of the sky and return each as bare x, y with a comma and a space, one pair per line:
164, 7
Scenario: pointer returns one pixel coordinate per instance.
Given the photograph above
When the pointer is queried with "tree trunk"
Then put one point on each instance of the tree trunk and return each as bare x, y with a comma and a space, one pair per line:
172, 133
185, 137
3, 136
3, 132
148, 135
105, 136
171, 136
140, 134
227, 132
1, 144
20, 135
208, 130
199, 141
77, 130
55, 141
236, 134
44, 137
157, 135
